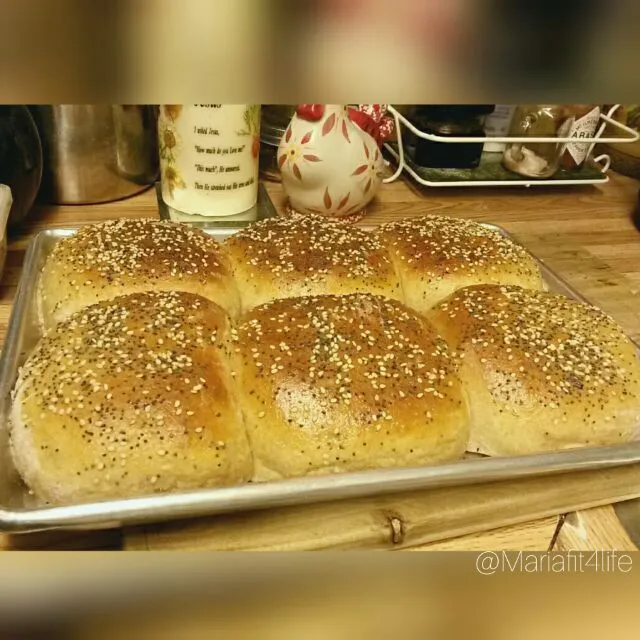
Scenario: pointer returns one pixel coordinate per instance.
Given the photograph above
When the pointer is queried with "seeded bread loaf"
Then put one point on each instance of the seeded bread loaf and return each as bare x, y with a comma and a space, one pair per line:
129, 397
541, 372
108, 259
346, 383
300, 255
436, 255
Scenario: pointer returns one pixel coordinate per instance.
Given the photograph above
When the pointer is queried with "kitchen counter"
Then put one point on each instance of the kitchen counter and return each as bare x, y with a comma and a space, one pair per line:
585, 234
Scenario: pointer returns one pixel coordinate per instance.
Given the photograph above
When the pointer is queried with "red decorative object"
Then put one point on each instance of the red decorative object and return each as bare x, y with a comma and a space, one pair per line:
312, 112
343, 202
327, 199
329, 124
372, 119
331, 165
345, 131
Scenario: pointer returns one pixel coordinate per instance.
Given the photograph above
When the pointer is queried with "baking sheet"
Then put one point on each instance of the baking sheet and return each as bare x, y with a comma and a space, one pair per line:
18, 512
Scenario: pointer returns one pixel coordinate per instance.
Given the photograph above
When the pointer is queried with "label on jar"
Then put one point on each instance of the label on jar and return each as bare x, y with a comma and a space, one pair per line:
209, 156
584, 127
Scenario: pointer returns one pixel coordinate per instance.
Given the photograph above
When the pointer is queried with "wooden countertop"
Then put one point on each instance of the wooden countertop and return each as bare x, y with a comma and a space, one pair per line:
584, 233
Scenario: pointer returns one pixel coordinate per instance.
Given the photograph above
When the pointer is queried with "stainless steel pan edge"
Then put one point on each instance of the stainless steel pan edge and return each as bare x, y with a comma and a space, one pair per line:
273, 494
131, 511
11, 344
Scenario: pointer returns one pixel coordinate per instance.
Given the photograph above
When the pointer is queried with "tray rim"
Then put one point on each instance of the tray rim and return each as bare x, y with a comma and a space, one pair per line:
290, 492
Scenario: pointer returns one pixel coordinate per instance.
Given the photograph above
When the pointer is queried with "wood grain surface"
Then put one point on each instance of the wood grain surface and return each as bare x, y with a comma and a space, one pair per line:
395, 521
595, 529
537, 535
583, 233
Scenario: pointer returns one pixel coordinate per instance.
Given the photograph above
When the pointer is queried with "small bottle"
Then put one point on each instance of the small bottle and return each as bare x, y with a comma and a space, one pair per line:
209, 157
586, 118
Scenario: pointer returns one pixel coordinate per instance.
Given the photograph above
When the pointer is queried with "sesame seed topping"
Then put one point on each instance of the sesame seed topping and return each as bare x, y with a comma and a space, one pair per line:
356, 353
561, 352
293, 249
122, 414
432, 253
106, 256
456, 244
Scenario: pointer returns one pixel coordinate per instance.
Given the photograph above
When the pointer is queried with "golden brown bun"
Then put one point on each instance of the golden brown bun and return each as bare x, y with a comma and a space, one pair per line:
301, 255
346, 383
129, 397
542, 372
436, 255
118, 257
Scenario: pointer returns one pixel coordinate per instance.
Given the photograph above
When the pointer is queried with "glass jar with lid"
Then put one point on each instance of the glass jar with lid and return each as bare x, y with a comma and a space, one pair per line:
537, 159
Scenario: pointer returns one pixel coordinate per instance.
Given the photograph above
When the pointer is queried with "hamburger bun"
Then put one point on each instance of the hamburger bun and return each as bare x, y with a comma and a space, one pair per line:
128, 397
302, 255
105, 260
542, 372
437, 255
333, 384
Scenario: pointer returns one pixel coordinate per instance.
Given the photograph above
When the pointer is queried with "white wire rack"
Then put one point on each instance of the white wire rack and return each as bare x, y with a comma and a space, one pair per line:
602, 162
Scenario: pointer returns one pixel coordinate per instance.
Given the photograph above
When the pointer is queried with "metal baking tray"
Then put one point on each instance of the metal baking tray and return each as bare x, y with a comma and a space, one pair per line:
19, 513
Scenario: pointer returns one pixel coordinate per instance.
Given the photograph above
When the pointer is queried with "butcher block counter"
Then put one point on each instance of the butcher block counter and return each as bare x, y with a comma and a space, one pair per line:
585, 234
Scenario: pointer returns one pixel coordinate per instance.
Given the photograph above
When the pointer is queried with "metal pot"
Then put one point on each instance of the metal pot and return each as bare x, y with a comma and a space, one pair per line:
96, 153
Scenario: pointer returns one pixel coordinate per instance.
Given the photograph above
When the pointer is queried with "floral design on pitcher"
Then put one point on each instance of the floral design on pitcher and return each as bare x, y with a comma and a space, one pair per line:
329, 203
338, 123
295, 153
330, 165
251, 119
369, 171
